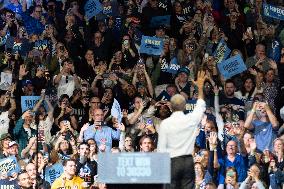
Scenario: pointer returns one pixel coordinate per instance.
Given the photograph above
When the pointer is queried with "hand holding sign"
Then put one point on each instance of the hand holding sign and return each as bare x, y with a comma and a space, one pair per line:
92, 8
232, 66
151, 45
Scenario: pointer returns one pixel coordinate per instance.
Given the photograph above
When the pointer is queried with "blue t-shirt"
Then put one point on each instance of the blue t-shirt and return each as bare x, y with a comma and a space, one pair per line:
264, 135
239, 164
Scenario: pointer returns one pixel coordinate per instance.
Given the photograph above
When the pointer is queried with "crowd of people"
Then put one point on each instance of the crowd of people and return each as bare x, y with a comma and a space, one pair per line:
79, 66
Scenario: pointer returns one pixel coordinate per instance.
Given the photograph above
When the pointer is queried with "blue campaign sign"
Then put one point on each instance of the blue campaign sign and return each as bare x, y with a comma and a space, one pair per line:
273, 11
232, 66
53, 172
134, 167
116, 111
190, 105
92, 8
9, 165
222, 51
151, 45
173, 67
41, 44
160, 21
28, 102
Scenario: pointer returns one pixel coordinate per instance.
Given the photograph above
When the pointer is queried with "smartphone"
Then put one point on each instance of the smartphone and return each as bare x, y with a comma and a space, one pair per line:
249, 29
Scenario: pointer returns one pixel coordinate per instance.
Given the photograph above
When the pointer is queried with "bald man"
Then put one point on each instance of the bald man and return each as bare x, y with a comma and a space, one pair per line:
100, 132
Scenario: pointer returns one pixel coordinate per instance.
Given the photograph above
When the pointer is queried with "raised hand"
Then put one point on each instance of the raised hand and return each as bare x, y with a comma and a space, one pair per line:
212, 138
121, 127
85, 127
216, 90
272, 64
201, 77
23, 71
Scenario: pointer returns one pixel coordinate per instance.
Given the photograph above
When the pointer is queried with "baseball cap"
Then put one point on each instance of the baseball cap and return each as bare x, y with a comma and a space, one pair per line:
12, 143
4, 136
27, 82
184, 70
161, 27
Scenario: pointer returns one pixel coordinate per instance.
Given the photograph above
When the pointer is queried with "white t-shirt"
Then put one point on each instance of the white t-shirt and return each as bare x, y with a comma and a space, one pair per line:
4, 122
46, 126
66, 85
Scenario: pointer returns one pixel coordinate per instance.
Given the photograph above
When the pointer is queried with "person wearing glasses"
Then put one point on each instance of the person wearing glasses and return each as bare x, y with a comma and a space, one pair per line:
94, 103
232, 159
100, 132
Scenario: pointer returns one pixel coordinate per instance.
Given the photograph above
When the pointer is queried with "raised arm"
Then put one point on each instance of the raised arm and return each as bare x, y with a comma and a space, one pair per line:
50, 109
250, 117
198, 111
271, 116
149, 83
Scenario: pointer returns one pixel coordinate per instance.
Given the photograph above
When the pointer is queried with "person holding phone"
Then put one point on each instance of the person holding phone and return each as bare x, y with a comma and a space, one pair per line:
100, 132
23, 131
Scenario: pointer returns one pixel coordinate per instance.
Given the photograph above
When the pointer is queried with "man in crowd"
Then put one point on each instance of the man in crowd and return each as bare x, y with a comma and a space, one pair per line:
68, 179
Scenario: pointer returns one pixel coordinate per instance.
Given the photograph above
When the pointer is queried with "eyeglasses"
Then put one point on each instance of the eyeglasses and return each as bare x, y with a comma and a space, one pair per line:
38, 11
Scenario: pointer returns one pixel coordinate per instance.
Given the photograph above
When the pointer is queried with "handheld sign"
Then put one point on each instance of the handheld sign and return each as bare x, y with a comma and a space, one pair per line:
173, 67
9, 165
190, 105
6, 81
6, 78
41, 44
116, 111
273, 11
28, 102
232, 66
53, 172
160, 21
151, 45
92, 8
133, 168
222, 51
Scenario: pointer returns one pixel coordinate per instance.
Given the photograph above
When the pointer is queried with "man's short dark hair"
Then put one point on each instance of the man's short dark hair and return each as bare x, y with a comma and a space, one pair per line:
84, 143
64, 163
230, 81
